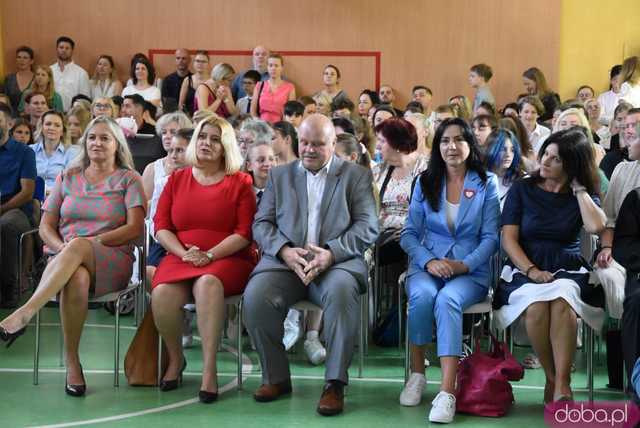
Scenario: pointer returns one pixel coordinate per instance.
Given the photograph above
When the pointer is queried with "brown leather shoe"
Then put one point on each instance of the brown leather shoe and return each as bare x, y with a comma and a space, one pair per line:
332, 399
269, 392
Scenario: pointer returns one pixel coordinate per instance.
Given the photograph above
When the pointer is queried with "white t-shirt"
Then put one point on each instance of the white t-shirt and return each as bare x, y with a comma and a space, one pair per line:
608, 103
150, 94
71, 81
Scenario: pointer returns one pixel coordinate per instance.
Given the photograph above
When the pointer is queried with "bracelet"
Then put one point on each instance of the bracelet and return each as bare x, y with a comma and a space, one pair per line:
606, 246
529, 270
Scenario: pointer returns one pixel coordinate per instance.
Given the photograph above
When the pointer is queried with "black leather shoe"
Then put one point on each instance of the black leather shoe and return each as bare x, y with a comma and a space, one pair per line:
207, 397
5, 336
170, 385
75, 390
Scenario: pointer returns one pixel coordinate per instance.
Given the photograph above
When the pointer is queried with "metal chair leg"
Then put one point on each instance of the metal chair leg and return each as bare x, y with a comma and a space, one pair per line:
589, 361
159, 359
239, 343
406, 349
36, 354
361, 339
116, 368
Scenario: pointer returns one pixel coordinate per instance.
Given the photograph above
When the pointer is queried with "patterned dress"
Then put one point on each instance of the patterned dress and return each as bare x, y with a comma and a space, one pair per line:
87, 210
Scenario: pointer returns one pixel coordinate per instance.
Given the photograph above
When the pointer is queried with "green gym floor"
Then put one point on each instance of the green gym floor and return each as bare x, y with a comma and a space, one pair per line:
370, 402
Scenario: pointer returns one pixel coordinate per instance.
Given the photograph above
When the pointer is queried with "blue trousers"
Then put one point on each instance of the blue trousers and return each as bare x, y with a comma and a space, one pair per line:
431, 297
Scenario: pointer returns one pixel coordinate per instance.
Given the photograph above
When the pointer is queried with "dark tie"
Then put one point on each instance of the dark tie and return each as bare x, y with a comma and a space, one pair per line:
248, 112
259, 196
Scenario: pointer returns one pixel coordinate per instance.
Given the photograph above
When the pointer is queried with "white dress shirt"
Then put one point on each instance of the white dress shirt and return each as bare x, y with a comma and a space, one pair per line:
71, 81
538, 136
315, 190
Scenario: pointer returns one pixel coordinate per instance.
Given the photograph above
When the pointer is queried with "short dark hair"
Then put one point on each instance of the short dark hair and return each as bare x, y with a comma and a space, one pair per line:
635, 110
345, 124
373, 96
185, 133
117, 100
340, 103
532, 100
334, 67
293, 108
253, 75
615, 70
306, 100
66, 39
483, 70
27, 50
586, 87
488, 106
573, 103
384, 107
80, 97
415, 88
400, 134
151, 71
414, 107
136, 99
490, 119
513, 106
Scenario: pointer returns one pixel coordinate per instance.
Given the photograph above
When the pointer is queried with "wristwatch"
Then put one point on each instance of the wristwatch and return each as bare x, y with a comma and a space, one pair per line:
209, 255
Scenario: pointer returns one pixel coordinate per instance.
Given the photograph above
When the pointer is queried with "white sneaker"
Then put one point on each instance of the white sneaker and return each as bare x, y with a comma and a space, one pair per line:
411, 394
316, 354
443, 408
292, 330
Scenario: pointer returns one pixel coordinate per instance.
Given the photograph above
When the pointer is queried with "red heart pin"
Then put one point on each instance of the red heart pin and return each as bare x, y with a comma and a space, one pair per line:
469, 193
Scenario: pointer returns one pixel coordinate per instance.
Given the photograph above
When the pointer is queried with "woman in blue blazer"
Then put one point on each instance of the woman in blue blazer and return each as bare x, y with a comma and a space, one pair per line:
450, 235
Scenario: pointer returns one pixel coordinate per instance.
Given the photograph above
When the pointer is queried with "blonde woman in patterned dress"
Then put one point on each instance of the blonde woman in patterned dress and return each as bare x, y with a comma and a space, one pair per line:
94, 213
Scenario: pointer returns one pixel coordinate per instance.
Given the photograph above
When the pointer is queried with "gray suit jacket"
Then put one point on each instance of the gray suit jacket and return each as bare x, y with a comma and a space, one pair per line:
349, 224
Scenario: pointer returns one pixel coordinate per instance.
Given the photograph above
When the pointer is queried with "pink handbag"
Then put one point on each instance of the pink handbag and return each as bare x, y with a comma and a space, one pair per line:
483, 381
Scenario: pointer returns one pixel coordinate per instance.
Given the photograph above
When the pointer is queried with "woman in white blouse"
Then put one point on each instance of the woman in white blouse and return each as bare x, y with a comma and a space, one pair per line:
143, 76
609, 100
630, 89
530, 108
103, 82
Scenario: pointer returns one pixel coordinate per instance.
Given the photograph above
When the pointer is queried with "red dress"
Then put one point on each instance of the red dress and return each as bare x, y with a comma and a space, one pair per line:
204, 216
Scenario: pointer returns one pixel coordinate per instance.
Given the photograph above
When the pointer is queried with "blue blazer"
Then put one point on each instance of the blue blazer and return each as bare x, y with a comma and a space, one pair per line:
426, 235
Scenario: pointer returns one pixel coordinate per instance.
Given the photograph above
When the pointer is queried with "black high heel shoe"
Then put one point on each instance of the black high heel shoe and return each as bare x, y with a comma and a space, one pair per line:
75, 390
5, 336
207, 397
170, 385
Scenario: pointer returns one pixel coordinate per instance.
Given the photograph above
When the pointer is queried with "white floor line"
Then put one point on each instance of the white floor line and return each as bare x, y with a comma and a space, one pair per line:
246, 362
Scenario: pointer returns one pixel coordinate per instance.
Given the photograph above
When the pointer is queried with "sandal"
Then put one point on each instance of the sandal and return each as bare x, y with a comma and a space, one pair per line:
531, 361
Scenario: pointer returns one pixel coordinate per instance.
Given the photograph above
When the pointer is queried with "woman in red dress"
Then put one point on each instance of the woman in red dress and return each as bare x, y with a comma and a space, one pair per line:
203, 220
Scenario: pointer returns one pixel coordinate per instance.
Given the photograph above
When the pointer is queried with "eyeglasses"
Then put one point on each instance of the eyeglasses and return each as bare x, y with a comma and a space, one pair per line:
102, 106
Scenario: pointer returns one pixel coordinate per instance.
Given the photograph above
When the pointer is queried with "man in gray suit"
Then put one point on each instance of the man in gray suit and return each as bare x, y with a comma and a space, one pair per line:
316, 218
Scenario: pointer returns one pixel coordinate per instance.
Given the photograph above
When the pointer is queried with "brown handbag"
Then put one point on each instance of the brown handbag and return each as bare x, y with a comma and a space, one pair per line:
141, 361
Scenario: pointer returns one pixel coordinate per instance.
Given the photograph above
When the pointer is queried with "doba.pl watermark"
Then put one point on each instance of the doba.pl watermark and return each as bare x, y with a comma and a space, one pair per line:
597, 414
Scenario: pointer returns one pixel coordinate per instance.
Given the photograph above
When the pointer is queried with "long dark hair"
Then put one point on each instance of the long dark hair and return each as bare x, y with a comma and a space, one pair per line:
576, 153
432, 180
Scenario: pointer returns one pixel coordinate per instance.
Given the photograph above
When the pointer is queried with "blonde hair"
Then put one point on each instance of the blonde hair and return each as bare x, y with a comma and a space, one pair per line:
201, 115
232, 157
123, 154
64, 138
49, 91
104, 99
631, 70
221, 72
84, 117
584, 122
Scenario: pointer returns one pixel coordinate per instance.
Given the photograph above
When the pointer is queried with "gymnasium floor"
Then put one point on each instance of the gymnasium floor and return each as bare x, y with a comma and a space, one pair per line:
371, 401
